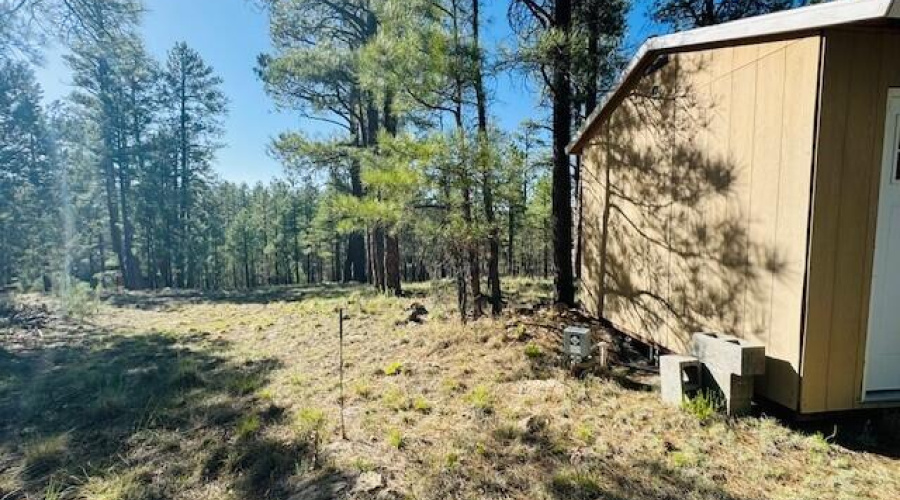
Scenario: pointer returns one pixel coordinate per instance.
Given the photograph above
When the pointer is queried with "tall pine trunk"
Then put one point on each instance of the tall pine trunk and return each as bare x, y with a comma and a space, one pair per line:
355, 268
131, 274
355, 265
561, 208
391, 243
378, 258
112, 207
471, 250
183, 216
483, 156
392, 263
107, 163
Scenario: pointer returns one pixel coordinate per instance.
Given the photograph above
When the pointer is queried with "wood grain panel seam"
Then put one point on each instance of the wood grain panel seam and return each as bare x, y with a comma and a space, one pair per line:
778, 190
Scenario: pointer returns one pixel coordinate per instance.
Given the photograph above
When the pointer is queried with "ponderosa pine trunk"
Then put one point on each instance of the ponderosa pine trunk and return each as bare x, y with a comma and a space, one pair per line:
392, 264
355, 268
107, 163
391, 242
471, 250
131, 271
184, 186
561, 209
486, 187
378, 258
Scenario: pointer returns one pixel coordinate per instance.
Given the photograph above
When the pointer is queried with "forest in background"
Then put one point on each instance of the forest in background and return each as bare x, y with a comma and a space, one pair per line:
115, 186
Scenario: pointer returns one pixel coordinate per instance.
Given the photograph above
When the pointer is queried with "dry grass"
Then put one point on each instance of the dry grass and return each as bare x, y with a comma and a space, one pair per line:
237, 396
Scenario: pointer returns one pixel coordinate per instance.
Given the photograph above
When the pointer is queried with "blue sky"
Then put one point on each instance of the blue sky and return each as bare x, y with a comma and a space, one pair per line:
229, 34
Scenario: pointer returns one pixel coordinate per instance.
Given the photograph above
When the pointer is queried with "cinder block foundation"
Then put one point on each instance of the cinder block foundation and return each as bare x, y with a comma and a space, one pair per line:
680, 377
727, 354
729, 367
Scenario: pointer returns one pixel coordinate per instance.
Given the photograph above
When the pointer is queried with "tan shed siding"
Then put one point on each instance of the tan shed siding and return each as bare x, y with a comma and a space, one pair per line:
710, 163
859, 67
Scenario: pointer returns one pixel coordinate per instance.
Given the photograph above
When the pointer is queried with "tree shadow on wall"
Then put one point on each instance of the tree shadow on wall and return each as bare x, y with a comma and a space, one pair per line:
669, 249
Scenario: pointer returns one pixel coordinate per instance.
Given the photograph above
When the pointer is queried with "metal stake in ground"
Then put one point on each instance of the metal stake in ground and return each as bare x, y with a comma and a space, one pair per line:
341, 367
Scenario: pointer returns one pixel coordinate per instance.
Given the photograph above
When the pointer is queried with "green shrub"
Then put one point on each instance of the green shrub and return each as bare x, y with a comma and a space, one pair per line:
533, 351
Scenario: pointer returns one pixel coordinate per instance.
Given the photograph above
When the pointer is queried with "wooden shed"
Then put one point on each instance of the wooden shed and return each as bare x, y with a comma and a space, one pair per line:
744, 178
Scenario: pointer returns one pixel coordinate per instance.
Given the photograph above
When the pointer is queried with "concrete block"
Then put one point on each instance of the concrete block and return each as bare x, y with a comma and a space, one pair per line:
679, 376
726, 354
734, 391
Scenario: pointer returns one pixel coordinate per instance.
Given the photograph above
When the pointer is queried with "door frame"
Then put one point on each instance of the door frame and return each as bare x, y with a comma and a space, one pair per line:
887, 175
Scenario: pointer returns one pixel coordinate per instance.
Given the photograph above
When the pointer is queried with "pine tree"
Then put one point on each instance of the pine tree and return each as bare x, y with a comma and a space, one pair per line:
29, 201
194, 105
314, 71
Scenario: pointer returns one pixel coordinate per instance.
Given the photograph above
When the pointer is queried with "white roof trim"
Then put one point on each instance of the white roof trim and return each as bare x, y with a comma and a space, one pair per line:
812, 17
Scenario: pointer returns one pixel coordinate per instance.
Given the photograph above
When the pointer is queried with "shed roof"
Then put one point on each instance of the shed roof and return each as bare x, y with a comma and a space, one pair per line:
839, 12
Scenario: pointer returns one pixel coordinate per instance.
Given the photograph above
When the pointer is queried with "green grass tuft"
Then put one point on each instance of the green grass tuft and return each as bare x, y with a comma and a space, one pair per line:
43, 456
243, 385
575, 486
310, 424
396, 399
533, 351
395, 439
395, 368
247, 427
363, 389
704, 405
421, 405
481, 399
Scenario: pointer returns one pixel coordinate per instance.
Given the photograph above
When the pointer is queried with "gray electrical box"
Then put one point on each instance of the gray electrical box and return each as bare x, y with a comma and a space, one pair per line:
578, 343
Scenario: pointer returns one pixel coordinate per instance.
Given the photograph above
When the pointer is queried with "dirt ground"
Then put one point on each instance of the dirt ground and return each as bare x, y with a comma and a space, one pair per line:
193, 396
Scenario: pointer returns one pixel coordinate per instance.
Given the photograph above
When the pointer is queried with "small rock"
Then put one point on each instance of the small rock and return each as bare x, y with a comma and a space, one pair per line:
367, 482
416, 312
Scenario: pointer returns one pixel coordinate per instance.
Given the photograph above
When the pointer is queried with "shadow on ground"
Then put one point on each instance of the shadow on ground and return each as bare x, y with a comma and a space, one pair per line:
116, 416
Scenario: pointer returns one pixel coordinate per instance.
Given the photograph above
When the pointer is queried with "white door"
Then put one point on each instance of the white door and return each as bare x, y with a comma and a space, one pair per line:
882, 377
